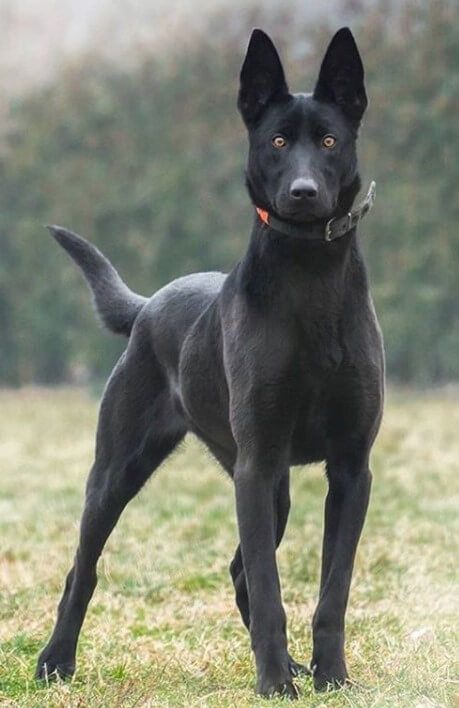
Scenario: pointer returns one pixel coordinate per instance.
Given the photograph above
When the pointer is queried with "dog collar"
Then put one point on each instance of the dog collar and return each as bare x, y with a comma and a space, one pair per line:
334, 228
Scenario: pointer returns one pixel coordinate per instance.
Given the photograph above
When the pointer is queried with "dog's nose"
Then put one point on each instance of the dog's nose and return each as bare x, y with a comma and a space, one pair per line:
304, 189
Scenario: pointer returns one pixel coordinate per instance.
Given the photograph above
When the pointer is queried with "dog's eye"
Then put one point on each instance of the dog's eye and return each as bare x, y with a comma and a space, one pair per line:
328, 141
279, 141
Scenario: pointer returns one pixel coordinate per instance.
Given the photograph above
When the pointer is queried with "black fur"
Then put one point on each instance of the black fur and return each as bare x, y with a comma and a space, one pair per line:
116, 305
279, 363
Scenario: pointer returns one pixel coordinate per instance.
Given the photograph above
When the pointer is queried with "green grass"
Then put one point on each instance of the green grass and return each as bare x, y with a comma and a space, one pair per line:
162, 629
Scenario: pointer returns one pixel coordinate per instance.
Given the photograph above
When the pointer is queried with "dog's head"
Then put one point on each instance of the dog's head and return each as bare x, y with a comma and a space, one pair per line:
302, 162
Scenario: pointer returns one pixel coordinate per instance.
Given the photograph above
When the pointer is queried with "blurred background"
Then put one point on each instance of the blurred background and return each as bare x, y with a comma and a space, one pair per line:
119, 121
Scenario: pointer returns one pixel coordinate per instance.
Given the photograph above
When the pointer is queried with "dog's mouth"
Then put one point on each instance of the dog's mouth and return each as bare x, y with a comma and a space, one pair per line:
303, 215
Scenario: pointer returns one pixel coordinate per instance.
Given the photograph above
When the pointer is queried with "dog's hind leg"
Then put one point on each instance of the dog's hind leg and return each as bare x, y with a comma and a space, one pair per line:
138, 428
237, 567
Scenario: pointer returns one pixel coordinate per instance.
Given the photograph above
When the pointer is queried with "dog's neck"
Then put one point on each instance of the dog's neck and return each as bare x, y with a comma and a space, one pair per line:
279, 268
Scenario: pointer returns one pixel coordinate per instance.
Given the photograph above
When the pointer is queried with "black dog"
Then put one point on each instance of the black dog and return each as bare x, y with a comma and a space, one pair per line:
279, 363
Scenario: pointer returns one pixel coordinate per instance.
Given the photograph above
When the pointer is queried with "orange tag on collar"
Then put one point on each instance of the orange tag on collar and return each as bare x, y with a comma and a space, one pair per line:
263, 214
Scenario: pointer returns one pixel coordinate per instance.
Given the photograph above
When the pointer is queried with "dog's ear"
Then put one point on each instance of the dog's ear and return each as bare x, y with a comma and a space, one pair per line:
262, 78
341, 76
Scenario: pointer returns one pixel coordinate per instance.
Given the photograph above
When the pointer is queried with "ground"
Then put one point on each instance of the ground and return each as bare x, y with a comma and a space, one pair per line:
162, 629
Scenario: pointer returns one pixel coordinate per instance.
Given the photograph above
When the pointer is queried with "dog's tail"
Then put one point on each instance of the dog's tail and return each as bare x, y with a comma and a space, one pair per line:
116, 305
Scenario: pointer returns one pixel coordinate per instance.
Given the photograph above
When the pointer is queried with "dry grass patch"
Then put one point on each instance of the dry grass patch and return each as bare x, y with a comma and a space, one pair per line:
162, 629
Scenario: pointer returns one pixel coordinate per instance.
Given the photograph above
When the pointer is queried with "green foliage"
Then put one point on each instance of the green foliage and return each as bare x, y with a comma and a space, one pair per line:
148, 163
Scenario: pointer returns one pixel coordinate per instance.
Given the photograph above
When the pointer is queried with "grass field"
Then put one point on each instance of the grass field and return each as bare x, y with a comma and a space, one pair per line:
162, 629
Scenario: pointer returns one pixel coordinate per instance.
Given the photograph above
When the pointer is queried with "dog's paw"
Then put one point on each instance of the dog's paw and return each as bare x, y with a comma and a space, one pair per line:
52, 666
297, 669
331, 679
286, 689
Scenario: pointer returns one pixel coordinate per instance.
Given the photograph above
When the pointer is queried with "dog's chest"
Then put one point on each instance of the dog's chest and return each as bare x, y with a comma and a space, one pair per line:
309, 426
319, 349
313, 312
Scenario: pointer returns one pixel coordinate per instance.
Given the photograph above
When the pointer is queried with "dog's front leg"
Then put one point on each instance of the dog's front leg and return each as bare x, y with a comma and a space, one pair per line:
255, 480
349, 490
258, 364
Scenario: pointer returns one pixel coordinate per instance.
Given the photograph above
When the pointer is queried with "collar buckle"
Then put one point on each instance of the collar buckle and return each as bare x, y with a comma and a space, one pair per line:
328, 229
343, 228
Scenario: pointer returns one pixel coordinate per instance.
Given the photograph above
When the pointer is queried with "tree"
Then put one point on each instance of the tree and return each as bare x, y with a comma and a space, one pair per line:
148, 163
